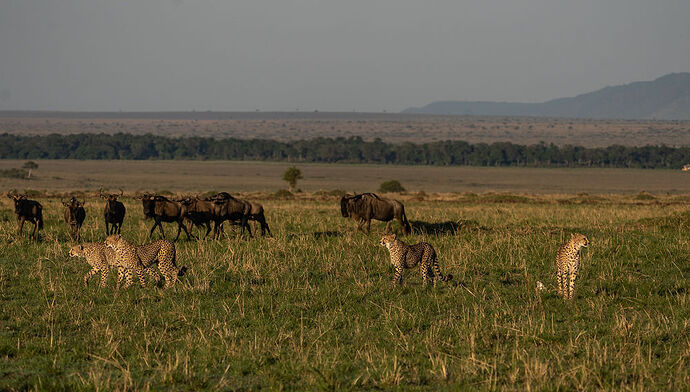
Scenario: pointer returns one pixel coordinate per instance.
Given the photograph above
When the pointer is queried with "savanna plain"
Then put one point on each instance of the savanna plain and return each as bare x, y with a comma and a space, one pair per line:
313, 307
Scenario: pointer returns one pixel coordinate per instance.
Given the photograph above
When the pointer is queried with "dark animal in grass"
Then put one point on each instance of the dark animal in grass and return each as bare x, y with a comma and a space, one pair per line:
113, 213
74, 216
231, 209
200, 213
256, 212
27, 210
367, 206
161, 209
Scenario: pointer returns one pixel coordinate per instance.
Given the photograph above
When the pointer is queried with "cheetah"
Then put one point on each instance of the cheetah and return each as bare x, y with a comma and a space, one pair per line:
408, 256
163, 253
568, 264
99, 257
126, 259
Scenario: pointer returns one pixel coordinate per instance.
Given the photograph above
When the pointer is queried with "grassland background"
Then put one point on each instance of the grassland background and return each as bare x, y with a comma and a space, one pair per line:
312, 308
394, 128
195, 176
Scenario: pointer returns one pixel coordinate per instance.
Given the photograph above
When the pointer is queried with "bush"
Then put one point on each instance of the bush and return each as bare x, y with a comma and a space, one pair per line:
284, 194
391, 186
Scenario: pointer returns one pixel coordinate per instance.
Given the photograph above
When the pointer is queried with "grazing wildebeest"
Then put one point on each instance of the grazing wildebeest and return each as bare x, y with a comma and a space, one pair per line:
114, 212
256, 211
367, 206
27, 210
231, 209
163, 210
74, 216
200, 213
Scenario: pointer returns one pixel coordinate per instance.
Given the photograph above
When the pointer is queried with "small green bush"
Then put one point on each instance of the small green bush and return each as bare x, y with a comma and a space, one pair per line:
391, 186
284, 194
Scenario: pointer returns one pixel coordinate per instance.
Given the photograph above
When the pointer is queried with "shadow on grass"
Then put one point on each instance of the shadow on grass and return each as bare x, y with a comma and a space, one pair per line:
446, 228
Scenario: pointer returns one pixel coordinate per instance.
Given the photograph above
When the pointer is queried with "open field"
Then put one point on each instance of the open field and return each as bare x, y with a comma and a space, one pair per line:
313, 309
395, 128
202, 176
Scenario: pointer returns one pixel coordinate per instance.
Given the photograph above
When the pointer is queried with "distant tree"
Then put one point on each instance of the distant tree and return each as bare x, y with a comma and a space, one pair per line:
30, 165
291, 175
392, 186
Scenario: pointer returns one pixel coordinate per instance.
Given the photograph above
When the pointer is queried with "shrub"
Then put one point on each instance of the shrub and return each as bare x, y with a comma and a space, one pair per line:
284, 194
392, 186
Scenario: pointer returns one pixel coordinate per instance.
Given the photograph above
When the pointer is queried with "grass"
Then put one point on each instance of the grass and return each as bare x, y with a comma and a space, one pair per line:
193, 176
313, 308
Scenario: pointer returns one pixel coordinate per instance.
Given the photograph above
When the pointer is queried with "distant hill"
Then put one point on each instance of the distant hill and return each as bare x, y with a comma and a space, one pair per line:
666, 98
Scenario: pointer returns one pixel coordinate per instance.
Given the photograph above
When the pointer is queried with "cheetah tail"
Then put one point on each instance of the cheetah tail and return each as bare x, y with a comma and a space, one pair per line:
446, 278
182, 271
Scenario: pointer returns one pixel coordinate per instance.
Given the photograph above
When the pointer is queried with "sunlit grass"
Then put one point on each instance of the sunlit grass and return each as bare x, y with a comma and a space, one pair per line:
313, 306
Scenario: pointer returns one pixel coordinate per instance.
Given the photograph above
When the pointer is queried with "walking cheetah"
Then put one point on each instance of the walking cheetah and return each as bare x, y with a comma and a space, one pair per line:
99, 257
163, 253
126, 259
568, 264
408, 256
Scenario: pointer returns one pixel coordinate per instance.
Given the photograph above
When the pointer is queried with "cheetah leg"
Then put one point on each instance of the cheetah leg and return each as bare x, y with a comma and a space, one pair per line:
559, 282
120, 277
571, 285
88, 276
424, 270
397, 279
104, 277
128, 277
153, 274
140, 274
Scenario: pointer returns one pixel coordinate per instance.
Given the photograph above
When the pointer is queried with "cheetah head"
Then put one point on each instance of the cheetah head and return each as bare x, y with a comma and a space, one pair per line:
76, 251
112, 240
387, 240
580, 240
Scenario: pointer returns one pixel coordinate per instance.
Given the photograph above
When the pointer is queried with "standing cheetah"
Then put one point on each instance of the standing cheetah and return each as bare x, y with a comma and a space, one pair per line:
126, 259
408, 256
163, 253
568, 264
99, 257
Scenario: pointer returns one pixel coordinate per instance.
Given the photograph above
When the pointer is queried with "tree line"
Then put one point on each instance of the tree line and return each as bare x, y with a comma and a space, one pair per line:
337, 150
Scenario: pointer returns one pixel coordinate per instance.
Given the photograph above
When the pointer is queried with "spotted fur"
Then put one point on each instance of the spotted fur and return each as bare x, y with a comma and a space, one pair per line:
163, 253
568, 264
126, 259
100, 258
409, 256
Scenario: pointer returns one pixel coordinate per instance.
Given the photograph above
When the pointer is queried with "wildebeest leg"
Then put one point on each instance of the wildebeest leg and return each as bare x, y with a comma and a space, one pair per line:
208, 229
107, 229
360, 225
119, 225
34, 234
180, 227
264, 226
245, 223
152, 229
389, 225
20, 224
368, 226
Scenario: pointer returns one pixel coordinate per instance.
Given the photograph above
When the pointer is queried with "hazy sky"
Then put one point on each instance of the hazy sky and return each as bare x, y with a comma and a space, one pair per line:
364, 55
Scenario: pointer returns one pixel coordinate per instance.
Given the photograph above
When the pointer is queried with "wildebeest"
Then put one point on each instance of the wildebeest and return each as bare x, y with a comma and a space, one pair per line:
74, 216
161, 209
367, 206
231, 209
113, 213
200, 213
27, 210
